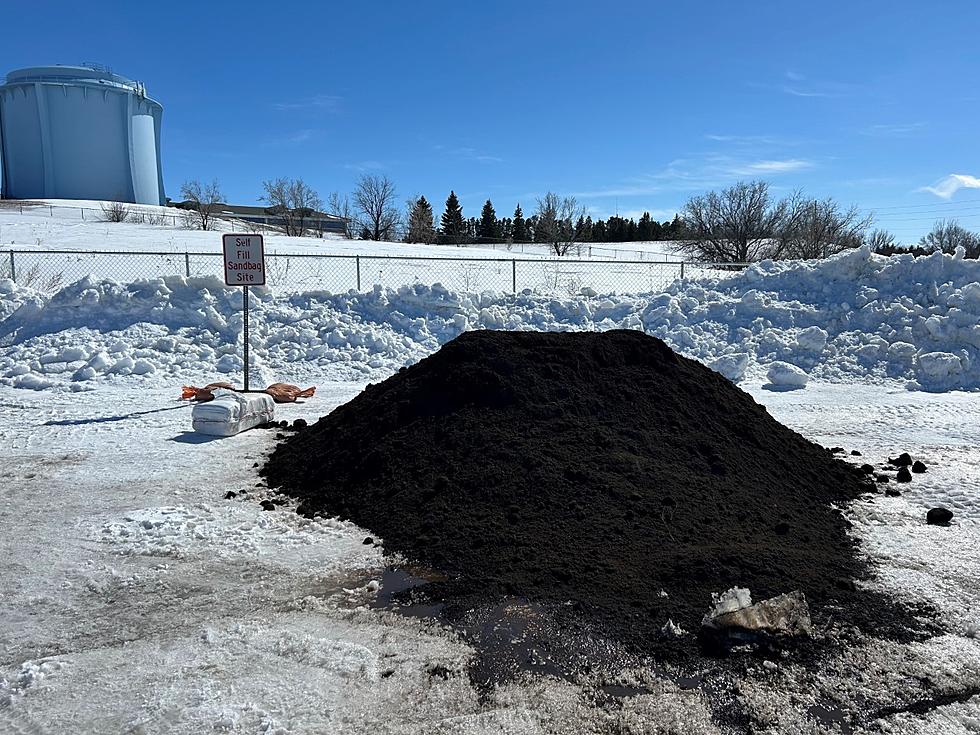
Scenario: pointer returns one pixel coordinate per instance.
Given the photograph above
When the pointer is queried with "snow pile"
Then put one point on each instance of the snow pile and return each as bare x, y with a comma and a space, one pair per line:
784, 376
854, 316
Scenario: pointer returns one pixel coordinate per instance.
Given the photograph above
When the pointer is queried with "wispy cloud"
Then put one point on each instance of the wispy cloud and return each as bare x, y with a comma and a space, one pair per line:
467, 153
949, 185
295, 137
364, 166
797, 92
751, 140
797, 85
772, 167
327, 102
893, 130
691, 174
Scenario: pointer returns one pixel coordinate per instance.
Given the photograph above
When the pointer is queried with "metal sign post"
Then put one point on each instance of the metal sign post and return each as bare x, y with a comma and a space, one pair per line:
244, 266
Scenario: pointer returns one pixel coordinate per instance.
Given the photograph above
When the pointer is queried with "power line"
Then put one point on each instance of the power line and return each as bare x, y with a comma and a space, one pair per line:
930, 204
963, 212
928, 219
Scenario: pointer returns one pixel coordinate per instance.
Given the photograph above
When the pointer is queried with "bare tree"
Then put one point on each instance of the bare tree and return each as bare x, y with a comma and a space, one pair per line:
560, 222
115, 211
204, 200
293, 201
339, 204
740, 224
947, 235
374, 200
818, 229
881, 241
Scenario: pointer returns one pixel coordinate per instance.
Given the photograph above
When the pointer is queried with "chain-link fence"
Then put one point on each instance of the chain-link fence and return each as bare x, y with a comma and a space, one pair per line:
49, 270
137, 214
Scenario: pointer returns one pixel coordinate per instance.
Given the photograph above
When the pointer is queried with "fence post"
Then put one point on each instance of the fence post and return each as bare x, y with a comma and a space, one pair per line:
513, 275
51, 210
13, 271
187, 264
682, 270
82, 211
357, 261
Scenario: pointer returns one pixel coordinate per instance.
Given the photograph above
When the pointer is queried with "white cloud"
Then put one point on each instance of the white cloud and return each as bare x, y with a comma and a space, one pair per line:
894, 130
773, 167
316, 102
363, 166
946, 187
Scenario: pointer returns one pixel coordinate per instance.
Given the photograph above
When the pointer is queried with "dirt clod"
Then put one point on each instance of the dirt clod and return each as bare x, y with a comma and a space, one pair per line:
939, 516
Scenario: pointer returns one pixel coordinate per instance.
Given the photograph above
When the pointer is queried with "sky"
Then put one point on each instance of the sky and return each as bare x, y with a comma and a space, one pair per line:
628, 106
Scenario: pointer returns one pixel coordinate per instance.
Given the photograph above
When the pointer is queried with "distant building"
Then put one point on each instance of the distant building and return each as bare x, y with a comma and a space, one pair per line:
317, 222
79, 132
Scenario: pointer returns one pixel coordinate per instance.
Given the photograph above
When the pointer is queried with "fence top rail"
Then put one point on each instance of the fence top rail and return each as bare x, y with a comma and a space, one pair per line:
356, 256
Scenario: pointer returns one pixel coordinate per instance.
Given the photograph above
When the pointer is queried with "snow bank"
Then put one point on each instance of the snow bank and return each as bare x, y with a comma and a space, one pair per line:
856, 316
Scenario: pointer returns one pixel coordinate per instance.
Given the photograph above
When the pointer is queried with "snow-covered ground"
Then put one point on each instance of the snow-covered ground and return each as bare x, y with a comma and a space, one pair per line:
127, 251
136, 598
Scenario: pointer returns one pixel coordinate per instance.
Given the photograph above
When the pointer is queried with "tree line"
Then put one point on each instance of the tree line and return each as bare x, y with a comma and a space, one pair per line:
739, 224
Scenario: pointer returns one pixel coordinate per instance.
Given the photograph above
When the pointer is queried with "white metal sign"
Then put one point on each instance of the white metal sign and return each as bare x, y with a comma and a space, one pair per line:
244, 259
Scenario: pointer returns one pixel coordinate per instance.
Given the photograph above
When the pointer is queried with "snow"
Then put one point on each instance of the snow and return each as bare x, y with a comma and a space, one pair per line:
729, 601
136, 598
914, 322
787, 376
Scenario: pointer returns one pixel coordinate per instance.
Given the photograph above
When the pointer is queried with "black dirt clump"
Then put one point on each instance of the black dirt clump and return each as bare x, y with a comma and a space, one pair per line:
902, 460
591, 472
904, 475
918, 467
939, 516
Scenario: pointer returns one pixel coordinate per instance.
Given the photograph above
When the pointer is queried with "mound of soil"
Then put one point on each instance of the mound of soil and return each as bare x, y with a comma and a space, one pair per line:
600, 469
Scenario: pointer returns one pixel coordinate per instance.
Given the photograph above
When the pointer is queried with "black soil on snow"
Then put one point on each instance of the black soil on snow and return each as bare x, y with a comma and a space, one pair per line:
592, 472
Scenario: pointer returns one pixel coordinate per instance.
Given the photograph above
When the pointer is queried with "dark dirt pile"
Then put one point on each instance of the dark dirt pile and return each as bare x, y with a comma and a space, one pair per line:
597, 468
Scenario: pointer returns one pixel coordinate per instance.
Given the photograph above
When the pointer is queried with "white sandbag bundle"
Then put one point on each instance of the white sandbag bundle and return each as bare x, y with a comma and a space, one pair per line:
230, 412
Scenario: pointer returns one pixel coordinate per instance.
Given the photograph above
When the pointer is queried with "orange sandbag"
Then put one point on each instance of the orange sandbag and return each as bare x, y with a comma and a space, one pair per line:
280, 392
203, 394
286, 393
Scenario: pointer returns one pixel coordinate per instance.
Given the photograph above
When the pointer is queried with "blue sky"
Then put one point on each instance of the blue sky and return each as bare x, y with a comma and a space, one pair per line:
630, 106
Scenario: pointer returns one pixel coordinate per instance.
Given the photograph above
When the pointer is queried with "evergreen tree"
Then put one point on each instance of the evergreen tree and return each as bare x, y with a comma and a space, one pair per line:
630, 231
506, 229
616, 229
599, 231
453, 227
644, 228
519, 228
365, 233
530, 225
421, 223
583, 229
489, 228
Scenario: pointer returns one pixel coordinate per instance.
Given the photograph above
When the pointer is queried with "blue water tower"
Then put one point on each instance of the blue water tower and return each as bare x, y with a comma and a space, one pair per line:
79, 132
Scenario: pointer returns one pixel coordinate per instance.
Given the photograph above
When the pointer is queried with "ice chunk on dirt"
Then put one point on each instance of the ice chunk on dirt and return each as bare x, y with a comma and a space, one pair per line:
727, 602
785, 615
